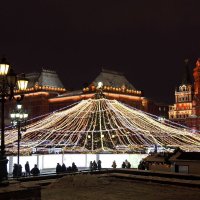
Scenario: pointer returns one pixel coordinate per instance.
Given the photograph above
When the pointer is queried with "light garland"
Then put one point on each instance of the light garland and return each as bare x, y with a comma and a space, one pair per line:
99, 125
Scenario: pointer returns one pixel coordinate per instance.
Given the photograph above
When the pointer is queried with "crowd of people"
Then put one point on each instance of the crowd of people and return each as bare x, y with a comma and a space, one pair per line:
143, 165
94, 165
125, 164
17, 169
64, 169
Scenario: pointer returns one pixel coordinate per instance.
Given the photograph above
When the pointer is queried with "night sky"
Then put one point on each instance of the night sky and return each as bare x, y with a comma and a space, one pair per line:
146, 40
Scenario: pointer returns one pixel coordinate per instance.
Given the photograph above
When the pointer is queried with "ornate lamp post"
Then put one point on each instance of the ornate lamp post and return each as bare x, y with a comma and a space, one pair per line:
8, 81
18, 120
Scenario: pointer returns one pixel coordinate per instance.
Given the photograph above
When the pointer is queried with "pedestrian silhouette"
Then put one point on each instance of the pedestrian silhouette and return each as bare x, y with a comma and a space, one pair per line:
64, 169
99, 164
91, 166
94, 165
58, 168
27, 169
74, 167
114, 165
123, 165
35, 171
128, 165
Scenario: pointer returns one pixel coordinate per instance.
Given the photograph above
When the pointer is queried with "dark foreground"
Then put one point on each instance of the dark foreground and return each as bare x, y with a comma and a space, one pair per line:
101, 187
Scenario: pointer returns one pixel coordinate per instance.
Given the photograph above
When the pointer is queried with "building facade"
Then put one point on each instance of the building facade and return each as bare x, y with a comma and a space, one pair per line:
186, 109
182, 109
46, 93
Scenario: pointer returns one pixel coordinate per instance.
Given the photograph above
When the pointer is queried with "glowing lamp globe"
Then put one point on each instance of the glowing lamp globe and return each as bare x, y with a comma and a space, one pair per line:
100, 85
22, 83
25, 115
4, 67
12, 115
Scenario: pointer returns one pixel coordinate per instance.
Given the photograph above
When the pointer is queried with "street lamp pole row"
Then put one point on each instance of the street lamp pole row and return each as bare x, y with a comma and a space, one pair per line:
8, 81
18, 120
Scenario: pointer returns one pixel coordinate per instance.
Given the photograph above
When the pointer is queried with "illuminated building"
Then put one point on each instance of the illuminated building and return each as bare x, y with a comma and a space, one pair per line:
115, 86
186, 109
193, 120
182, 108
41, 86
46, 93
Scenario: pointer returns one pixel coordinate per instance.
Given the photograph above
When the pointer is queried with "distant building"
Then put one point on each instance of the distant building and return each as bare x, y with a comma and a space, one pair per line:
186, 109
193, 120
186, 162
182, 108
41, 86
46, 93
178, 161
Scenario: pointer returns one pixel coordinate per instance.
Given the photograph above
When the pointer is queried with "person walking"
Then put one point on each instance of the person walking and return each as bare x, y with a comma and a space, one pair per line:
58, 168
128, 165
74, 167
94, 165
27, 169
64, 169
123, 165
114, 165
35, 171
91, 166
99, 164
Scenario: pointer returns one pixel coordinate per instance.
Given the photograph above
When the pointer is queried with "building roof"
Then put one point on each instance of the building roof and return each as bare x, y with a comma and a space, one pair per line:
185, 156
44, 78
155, 158
113, 79
189, 156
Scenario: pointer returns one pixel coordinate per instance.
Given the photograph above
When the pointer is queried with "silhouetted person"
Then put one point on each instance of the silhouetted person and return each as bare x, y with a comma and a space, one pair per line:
123, 165
91, 166
35, 171
74, 167
94, 165
69, 169
15, 169
128, 165
141, 165
114, 165
99, 164
27, 169
64, 169
58, 168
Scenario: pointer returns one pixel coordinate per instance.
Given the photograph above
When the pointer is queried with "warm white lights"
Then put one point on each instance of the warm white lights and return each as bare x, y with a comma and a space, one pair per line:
22, 83
4, 69
100, 85
104, 125
19, 106
12, 115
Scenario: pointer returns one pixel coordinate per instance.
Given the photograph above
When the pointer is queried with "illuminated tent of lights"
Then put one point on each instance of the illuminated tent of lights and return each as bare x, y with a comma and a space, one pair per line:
102, 125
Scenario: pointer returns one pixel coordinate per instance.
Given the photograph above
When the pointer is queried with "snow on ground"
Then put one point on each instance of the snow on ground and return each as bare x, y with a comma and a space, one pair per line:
98, 187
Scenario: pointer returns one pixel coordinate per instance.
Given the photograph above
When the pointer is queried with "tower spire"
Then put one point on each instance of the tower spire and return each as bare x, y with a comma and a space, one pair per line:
186, 78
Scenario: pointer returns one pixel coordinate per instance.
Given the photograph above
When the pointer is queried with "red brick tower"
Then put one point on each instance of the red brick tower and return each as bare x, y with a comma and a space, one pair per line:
194, 120
196, 99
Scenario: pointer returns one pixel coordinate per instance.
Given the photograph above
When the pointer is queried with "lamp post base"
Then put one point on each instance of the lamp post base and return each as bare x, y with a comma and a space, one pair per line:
3, 171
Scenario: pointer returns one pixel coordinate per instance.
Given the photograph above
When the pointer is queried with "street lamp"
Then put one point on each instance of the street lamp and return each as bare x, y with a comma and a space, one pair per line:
8, 81
18, 120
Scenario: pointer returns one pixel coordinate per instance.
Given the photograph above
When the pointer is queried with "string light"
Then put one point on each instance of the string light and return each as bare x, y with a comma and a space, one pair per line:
96, 125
